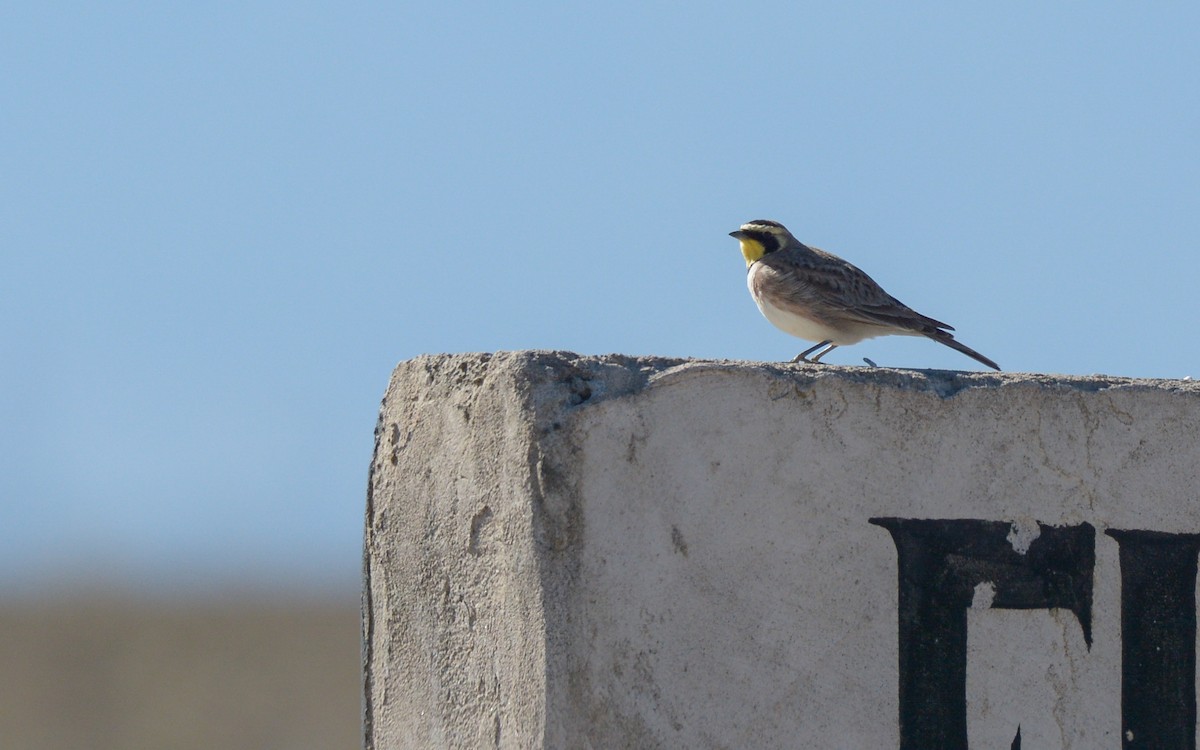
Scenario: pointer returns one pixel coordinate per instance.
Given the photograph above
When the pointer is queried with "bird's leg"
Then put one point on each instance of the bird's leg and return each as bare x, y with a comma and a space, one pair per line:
823, 352
803, 356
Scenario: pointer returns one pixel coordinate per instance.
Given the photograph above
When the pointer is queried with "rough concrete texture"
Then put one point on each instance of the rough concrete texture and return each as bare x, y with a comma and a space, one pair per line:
619, 552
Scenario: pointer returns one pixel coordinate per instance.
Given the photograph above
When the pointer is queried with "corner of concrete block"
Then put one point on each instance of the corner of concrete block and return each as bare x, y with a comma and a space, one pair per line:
467, 495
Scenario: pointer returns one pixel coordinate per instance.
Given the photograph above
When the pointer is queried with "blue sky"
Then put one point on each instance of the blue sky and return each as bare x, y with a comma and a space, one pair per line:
222, 226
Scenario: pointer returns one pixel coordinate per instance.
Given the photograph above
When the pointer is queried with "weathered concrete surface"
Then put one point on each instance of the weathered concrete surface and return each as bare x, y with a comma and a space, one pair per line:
617, 552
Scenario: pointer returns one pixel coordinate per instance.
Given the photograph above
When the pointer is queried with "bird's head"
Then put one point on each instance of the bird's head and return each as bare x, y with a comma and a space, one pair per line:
761, 237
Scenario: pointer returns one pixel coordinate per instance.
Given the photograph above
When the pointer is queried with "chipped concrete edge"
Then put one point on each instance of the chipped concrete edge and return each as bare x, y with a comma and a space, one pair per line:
538, 389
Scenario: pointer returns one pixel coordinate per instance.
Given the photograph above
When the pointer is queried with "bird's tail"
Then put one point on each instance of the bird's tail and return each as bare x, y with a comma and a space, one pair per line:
942, 337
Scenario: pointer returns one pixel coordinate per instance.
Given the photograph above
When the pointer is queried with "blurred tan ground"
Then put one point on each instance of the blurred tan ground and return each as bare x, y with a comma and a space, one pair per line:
126, 674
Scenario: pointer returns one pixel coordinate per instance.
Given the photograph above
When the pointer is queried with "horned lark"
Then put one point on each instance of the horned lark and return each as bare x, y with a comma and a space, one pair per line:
817, 296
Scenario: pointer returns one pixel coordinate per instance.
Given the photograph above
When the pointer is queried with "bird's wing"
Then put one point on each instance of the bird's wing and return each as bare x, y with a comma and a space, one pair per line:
844, 290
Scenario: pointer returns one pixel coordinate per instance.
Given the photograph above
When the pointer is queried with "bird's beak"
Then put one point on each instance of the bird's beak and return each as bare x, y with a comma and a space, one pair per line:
739, 234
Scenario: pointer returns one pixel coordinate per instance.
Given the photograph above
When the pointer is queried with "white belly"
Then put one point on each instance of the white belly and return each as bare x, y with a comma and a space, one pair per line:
796, 325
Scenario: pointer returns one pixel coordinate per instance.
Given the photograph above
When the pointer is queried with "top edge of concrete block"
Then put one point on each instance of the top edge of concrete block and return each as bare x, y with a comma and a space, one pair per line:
595, 377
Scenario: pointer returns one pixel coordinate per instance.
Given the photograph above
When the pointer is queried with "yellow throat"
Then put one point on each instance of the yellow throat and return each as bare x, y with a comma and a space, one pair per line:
752, 250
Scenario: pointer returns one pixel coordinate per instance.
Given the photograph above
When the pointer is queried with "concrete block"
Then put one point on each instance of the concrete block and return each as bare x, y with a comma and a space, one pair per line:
620, 552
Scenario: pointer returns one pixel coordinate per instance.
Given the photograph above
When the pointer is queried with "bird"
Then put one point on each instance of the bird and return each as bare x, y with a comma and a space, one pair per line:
817, 296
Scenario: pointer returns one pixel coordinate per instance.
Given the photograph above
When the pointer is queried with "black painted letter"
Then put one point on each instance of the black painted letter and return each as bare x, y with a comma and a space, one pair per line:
1158, 639
940, 562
